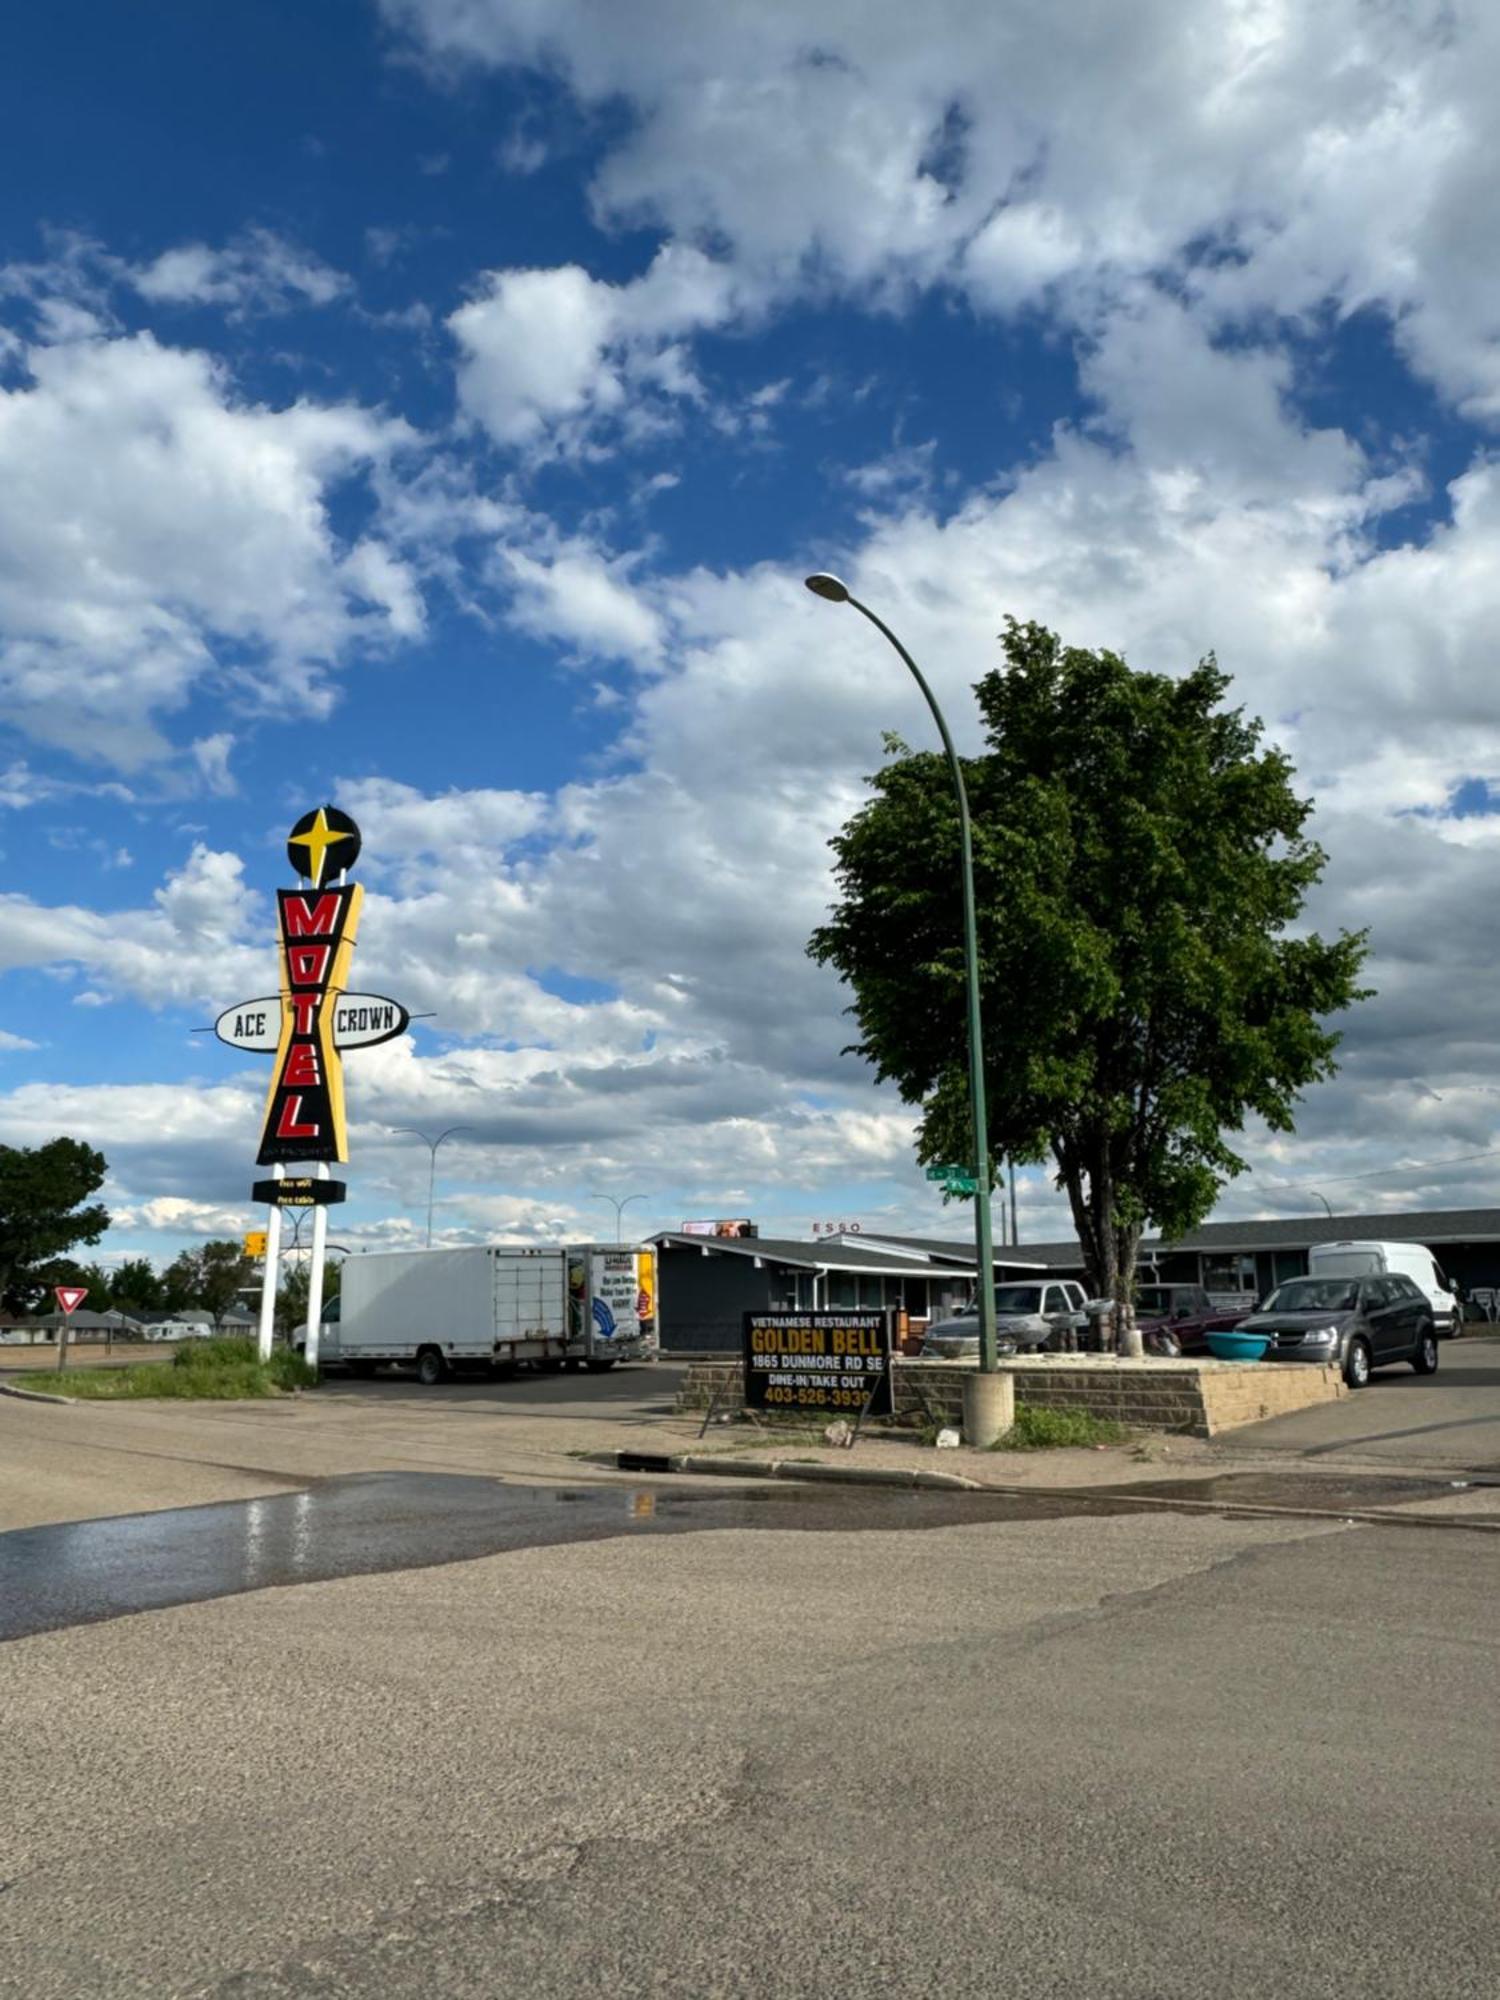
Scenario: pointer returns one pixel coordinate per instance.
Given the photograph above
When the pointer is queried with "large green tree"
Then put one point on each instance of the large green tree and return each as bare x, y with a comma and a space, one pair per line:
137, 1288
42, 1192
212, 1276
1140, 862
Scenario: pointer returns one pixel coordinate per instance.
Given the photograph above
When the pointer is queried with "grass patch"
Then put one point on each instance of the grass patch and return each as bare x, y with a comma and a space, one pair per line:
225, 1370
1040, 1428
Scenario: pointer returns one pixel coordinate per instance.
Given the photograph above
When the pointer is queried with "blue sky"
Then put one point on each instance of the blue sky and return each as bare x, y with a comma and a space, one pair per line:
434, 406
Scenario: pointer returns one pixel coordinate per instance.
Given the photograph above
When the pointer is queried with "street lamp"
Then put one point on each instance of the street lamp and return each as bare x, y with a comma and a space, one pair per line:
835, 592
432, 1148
1324, 1199
619, 1208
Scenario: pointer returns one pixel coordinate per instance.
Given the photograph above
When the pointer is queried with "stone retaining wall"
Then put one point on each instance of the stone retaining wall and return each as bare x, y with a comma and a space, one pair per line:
1199, 1397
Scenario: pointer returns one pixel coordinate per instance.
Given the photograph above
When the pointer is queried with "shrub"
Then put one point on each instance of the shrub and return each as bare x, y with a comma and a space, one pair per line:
1040, 1428
225, 1350
291, 1371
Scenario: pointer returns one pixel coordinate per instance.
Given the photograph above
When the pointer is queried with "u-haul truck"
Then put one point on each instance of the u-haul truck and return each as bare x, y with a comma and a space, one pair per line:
588, 1304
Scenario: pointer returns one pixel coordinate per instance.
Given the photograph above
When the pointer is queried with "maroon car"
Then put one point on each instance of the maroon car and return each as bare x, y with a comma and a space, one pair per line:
1183, 1313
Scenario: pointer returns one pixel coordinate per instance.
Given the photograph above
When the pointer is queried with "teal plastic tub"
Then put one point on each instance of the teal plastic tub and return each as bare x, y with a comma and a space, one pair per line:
1236, 1346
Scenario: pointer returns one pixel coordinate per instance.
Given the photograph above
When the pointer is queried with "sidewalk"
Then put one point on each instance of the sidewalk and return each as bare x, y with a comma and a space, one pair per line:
61, 1462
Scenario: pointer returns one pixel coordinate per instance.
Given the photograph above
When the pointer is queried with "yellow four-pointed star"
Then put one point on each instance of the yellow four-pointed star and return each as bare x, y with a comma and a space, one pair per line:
319, 837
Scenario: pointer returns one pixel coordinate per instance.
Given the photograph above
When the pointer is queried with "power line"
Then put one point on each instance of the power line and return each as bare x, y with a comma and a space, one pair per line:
1384, 1173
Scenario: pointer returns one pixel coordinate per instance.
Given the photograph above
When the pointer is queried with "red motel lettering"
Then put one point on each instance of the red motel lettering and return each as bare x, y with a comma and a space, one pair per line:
308, 963
319, 921
288, 1126
302, 1065
305, 1107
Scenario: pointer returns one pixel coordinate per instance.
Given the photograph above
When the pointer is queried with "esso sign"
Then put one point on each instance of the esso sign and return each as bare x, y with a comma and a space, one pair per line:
835, 1229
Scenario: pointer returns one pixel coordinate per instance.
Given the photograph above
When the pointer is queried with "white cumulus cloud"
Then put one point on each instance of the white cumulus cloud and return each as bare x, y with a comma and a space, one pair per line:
157, 533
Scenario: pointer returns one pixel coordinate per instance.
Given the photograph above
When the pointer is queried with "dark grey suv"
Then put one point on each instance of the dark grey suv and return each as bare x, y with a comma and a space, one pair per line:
1360, 1323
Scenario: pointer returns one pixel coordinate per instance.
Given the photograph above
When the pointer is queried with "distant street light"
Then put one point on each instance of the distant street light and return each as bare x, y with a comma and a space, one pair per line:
836, 592
1324, 1199
619, 1208
432, 1148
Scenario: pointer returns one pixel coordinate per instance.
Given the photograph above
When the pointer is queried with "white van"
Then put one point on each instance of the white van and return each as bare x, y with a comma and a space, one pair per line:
1412, 1260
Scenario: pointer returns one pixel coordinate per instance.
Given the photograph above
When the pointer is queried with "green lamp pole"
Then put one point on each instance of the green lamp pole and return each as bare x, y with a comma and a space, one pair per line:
836, 592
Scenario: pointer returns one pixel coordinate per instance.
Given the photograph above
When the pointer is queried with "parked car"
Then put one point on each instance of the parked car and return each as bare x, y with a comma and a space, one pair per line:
1026, 1316
1357, 1323
1180, 1314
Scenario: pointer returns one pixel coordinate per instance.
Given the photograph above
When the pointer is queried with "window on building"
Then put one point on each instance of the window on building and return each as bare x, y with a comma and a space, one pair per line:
1228, 1273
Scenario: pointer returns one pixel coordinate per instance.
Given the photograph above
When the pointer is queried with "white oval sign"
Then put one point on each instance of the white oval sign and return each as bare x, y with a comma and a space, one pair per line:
253, 1024
360, 1020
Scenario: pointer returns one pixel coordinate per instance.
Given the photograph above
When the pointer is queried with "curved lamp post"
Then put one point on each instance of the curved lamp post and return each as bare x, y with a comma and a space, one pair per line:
432, 1148
619, 1208
836, 592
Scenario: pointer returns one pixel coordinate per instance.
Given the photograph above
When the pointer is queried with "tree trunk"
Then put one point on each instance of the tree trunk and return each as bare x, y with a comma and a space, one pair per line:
1109, 1246
1127, 1242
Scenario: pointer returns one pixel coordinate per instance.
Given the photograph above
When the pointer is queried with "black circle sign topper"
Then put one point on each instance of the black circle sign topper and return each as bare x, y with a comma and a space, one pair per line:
323, 843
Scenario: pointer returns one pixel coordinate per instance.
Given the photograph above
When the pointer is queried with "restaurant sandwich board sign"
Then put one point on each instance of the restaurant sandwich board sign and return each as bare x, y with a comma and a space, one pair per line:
836, 1361
305, 1029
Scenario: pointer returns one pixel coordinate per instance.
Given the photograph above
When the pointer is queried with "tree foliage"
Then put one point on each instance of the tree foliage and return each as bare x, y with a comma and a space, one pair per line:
212, 1276
291, 1294
1140, 861
137, 1288
41, 1216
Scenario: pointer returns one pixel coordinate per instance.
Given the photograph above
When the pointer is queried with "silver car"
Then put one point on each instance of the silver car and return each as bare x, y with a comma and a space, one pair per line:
1027, 1315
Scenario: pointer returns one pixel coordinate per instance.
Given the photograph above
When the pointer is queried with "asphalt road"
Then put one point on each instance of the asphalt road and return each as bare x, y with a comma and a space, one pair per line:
1444, 1422
564, 1391
1121, 1757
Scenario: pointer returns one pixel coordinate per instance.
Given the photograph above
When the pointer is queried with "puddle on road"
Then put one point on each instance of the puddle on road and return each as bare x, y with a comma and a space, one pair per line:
79, 1572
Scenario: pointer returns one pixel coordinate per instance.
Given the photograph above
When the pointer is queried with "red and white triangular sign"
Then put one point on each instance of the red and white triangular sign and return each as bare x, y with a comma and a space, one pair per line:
70, 1297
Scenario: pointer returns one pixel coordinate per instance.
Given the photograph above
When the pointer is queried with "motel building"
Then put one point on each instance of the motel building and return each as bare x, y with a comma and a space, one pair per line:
709, 1282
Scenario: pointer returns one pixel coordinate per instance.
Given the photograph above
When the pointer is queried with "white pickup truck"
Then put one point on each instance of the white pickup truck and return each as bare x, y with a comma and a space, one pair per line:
583, 1304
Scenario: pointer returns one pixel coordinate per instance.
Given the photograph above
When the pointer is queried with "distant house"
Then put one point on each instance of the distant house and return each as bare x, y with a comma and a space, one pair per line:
85, 1325
23, 1333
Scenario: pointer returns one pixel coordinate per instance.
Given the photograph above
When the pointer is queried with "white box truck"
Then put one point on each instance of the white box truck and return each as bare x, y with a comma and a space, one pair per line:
583, 1304
1412, 1260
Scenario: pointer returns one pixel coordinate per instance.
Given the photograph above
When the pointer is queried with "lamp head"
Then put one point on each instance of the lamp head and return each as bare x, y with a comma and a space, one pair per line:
824, 585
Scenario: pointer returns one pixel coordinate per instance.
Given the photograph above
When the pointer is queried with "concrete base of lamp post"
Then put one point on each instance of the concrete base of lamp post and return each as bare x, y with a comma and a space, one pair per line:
989, 1408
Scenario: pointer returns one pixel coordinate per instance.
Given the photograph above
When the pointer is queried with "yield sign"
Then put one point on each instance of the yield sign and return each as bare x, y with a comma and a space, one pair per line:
70, 1297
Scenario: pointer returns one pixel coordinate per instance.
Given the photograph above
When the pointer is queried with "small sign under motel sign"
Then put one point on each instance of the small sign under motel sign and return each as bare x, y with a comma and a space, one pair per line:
360, 1020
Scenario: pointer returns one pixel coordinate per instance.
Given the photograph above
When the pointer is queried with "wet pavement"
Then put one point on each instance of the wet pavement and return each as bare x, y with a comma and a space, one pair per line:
77, 1573
82, 1572
1301, 1492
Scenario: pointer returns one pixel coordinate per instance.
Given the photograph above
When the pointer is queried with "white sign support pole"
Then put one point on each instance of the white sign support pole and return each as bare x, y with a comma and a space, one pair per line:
315, 1274
271, 1272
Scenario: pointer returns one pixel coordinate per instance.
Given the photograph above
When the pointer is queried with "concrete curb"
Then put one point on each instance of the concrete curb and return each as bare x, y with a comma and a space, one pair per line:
1112, 1497
784, 1468
31, 1395
849, 1475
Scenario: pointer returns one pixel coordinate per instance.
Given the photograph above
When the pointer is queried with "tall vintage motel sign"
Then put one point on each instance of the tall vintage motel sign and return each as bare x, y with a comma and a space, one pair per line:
305, 1028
